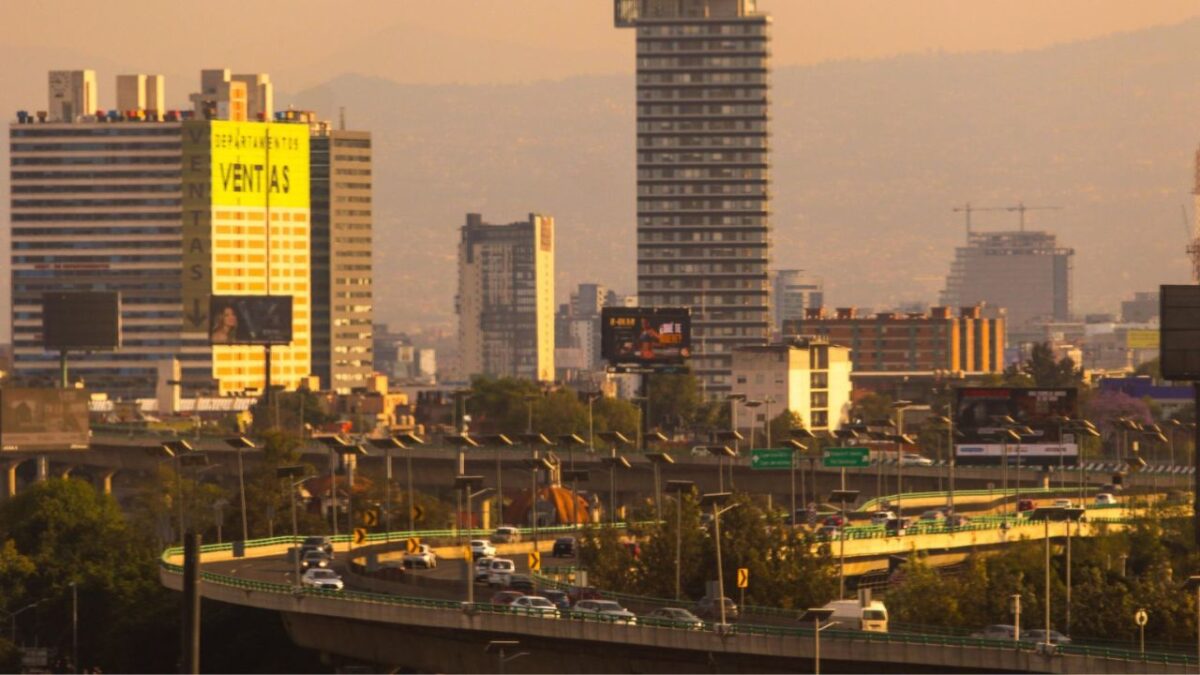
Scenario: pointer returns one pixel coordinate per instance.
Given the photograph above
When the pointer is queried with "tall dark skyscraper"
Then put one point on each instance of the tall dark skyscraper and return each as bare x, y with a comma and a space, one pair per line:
703, 171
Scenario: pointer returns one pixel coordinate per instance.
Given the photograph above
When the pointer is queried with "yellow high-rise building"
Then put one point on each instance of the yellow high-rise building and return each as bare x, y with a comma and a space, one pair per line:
237, 177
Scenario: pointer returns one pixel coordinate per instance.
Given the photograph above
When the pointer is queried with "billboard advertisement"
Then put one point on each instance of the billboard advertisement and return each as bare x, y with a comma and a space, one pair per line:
250, 320
83, 320
1141, 339
977, 416
36, 420
648, 338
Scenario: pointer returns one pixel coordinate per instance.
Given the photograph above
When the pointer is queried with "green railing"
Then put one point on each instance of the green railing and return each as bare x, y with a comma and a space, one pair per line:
798, 631
874, 503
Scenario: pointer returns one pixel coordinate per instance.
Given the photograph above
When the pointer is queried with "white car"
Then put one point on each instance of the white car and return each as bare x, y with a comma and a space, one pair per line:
535, 605
1063, 504
1105, 499
500, 571
482, 548
424, 557
913, 459
882, 517
482, 567
322, 578
606, 609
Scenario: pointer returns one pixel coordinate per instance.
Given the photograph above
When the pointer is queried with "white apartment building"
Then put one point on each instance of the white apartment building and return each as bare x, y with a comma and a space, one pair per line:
808, 376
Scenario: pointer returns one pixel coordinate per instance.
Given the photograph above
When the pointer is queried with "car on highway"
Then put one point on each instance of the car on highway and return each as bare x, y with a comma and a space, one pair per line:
506, 597
997, 631
829, 532
913, 459
707, 608
424, 557
957, 520
314, 559
317, 544
560, 598
836, 520
1105, 499
676, 616
482, 566
322, 578
564, 547
605, 609
1025, 505
882, 517
933, 516
1039, 635
481, 548
506, 534
500, 571
897, 527
1063, 504
536, 605
521, 582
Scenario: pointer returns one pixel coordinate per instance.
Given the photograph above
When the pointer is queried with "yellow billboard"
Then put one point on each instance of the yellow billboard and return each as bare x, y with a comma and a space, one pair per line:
1141, 339
255, 161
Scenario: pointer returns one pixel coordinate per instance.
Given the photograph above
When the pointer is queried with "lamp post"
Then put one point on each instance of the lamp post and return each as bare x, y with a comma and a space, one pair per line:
499, 647
753, 406
412, 440
591, 400
1088, 430
797, 447
1073, 515
715, 500
534, 464
12, 617
726, 438
292, 472
679, 487
575, 475
842, 496
733, 425
1006, 434
498, 441
335, 444
571, 441
615, 439
386, 444
462, 441
658, 460
192, 459
951, 461
355, 451
468, 485
817, 615
899, 408
721, 452
767, 401
240, 443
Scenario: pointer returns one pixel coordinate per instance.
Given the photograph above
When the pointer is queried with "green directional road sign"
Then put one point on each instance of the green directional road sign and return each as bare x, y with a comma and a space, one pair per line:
771, 458
850, 458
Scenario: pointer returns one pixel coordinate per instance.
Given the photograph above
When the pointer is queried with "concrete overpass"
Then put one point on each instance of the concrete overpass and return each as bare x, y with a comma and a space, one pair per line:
438, 635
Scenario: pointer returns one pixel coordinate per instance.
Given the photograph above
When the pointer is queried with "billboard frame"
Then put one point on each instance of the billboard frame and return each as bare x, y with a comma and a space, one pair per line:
619, 345
249, 331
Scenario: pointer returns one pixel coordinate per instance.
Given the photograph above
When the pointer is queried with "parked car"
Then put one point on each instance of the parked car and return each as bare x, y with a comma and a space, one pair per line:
314, 559
707, 608
607, 609
677, 615
560, 598
506, 534
882, 517
829, 532
500, 571
564, 547
1105, 499
957, 520
521, 582
424, 557
322, 578
1025, 505
506, 597
317, 544
913, 459
482, 567
1039, 635
997, 631
536, 605
481, 548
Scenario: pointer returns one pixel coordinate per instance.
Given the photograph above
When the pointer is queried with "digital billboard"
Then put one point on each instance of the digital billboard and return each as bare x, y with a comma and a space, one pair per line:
1179, 325
978, 413
35, 420
633, 338
82, 320
250, 320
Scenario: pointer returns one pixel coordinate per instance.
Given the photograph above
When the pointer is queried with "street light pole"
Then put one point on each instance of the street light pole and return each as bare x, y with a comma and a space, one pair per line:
679, 487
292, 472
716, 499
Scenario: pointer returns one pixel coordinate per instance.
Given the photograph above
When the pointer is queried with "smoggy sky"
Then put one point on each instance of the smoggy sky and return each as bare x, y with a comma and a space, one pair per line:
304, 42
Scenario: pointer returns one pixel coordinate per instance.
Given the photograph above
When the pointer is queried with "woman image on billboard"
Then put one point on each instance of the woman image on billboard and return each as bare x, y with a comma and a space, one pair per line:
224, 327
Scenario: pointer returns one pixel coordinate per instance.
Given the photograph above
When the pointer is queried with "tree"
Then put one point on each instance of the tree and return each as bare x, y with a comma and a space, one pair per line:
783, 423
676, 402
1042, 370
874, 407
290, 410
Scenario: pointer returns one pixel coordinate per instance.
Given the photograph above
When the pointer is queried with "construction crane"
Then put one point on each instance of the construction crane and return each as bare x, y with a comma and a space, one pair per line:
968, 209
1193, 248
1021, 208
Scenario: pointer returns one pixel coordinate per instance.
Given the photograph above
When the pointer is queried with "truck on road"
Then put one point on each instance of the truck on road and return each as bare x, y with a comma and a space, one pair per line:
863, 614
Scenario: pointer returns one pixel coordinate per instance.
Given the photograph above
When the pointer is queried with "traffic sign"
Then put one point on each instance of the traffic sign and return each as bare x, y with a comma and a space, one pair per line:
370, 518
418, 513
847, 457
360, 536
743, 577
1141, 618
412, 545
535, 562
771, 458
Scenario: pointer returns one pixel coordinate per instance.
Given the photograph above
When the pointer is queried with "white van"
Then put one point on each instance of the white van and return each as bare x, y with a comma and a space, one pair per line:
1105, 499
871, 616
500, 571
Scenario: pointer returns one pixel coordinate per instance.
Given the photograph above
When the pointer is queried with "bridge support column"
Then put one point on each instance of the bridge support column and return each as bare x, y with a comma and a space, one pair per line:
10, 471
105, 478
43, 468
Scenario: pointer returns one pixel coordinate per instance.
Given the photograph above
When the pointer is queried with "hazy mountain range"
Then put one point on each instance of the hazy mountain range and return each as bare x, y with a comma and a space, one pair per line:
869, 158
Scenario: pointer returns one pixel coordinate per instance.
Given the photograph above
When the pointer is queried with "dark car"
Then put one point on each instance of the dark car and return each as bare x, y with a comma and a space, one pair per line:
1025, 505
708, 608
835, 520
506, 597
634, 548
897, 526
560, 598
564, 547
521, 582
323, 544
